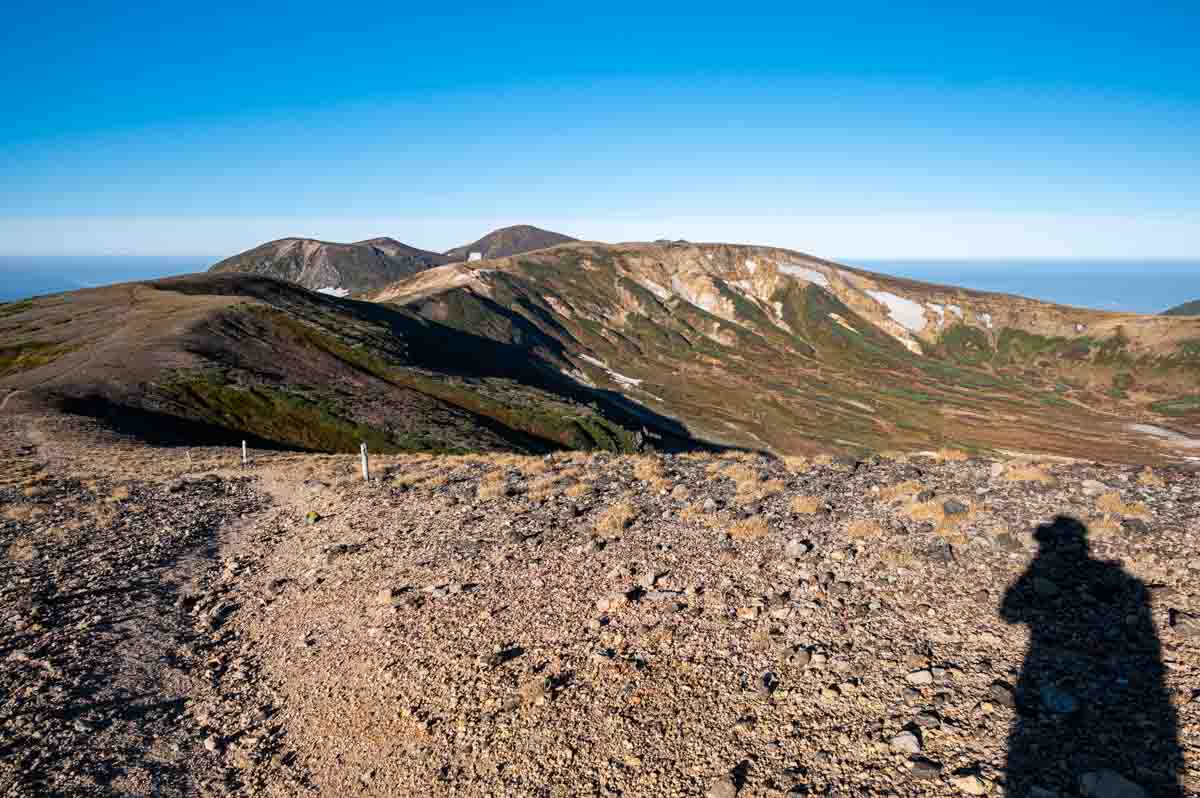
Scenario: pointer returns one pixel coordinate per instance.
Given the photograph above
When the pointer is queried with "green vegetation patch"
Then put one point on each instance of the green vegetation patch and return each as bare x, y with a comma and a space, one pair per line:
13, 308
276, 415
28, 356
1178, 406
966, 344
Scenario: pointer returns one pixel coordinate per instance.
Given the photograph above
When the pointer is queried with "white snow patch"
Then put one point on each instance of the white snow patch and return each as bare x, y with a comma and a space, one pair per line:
594, 361
805, 273
1080, 328
751, 265
956, 310
1169, 435
987, 319
621, 378
656, 289
940, 311
842, 322
474, 256
909, 314
334, 291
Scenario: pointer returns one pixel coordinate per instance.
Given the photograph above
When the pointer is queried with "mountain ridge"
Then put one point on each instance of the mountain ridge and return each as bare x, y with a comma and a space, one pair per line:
336, 268
508, 241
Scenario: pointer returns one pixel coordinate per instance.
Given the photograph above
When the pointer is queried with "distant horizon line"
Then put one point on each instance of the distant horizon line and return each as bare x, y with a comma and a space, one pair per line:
836, 258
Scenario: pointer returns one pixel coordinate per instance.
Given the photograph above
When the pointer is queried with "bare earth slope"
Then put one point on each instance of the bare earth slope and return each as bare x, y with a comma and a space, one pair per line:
509, 241
768, 348
336, 268
591, 624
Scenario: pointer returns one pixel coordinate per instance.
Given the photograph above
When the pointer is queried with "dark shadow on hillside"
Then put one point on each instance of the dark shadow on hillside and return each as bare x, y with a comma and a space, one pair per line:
452, 352
162, 429
1091, 702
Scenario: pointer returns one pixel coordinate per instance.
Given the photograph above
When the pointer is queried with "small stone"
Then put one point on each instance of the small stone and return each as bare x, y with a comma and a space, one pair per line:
1002, 694
1135, 526
722, 788
647, 579
997, 470
1092, 487
921, 677
1184, 624
818, 661
211, 743
749, 613
1109, 784
710, 506
612, 601
796, 548
389, 597
925, 769
954, 507
971, 785
928, 720
906, 742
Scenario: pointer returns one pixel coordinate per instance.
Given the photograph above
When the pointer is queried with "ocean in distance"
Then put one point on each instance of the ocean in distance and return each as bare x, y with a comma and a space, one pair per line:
1130, 286
1149, 286
24, 276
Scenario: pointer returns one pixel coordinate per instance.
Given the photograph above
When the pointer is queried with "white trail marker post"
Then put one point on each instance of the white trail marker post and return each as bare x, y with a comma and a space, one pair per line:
245, 459
366, 473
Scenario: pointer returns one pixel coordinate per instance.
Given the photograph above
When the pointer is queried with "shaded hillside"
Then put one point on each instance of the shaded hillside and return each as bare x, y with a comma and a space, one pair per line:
762, 347
1186, 309
338, 269
509, 241
206, 358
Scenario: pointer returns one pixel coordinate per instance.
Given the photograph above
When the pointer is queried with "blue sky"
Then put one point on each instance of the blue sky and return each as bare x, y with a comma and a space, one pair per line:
876, 130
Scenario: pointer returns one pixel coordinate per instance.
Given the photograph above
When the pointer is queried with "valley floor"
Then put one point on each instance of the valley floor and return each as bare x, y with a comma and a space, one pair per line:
591, 625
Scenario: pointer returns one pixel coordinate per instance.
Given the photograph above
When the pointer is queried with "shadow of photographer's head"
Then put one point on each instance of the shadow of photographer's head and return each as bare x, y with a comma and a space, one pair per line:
1064, 534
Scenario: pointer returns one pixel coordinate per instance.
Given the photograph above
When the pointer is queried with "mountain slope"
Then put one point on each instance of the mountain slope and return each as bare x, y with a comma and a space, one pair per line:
339, 269
509, 241
221, 357
1186, 309
763, 347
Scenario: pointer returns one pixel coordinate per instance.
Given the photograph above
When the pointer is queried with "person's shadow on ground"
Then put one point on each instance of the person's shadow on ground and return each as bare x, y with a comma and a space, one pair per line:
1093, 714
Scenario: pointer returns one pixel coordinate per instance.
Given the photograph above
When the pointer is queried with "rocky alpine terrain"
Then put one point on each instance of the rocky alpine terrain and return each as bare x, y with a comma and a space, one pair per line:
591, 624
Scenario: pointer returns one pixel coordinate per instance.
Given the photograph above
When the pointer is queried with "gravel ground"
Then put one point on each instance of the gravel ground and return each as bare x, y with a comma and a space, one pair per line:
592, 625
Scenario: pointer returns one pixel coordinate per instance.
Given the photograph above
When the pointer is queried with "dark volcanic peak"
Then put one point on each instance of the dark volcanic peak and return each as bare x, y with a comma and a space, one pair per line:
335, 268
1186, 309
508, 241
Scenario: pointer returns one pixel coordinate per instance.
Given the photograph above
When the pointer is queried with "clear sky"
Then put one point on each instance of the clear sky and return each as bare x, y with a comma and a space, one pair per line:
844, 129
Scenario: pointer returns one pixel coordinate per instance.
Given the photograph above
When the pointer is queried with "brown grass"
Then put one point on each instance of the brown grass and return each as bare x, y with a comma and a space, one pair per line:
1029, 472
951, 455
806, 505
616, 519
751, 492
796, 464
493, 485
909, 487
1102, 527
1148, 477
696, 512
578, 489
119, 494
1112, 503
863, 528
21, 550
751, 528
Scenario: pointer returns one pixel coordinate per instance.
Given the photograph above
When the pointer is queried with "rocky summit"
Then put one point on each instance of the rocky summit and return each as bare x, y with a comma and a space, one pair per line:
578, 623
